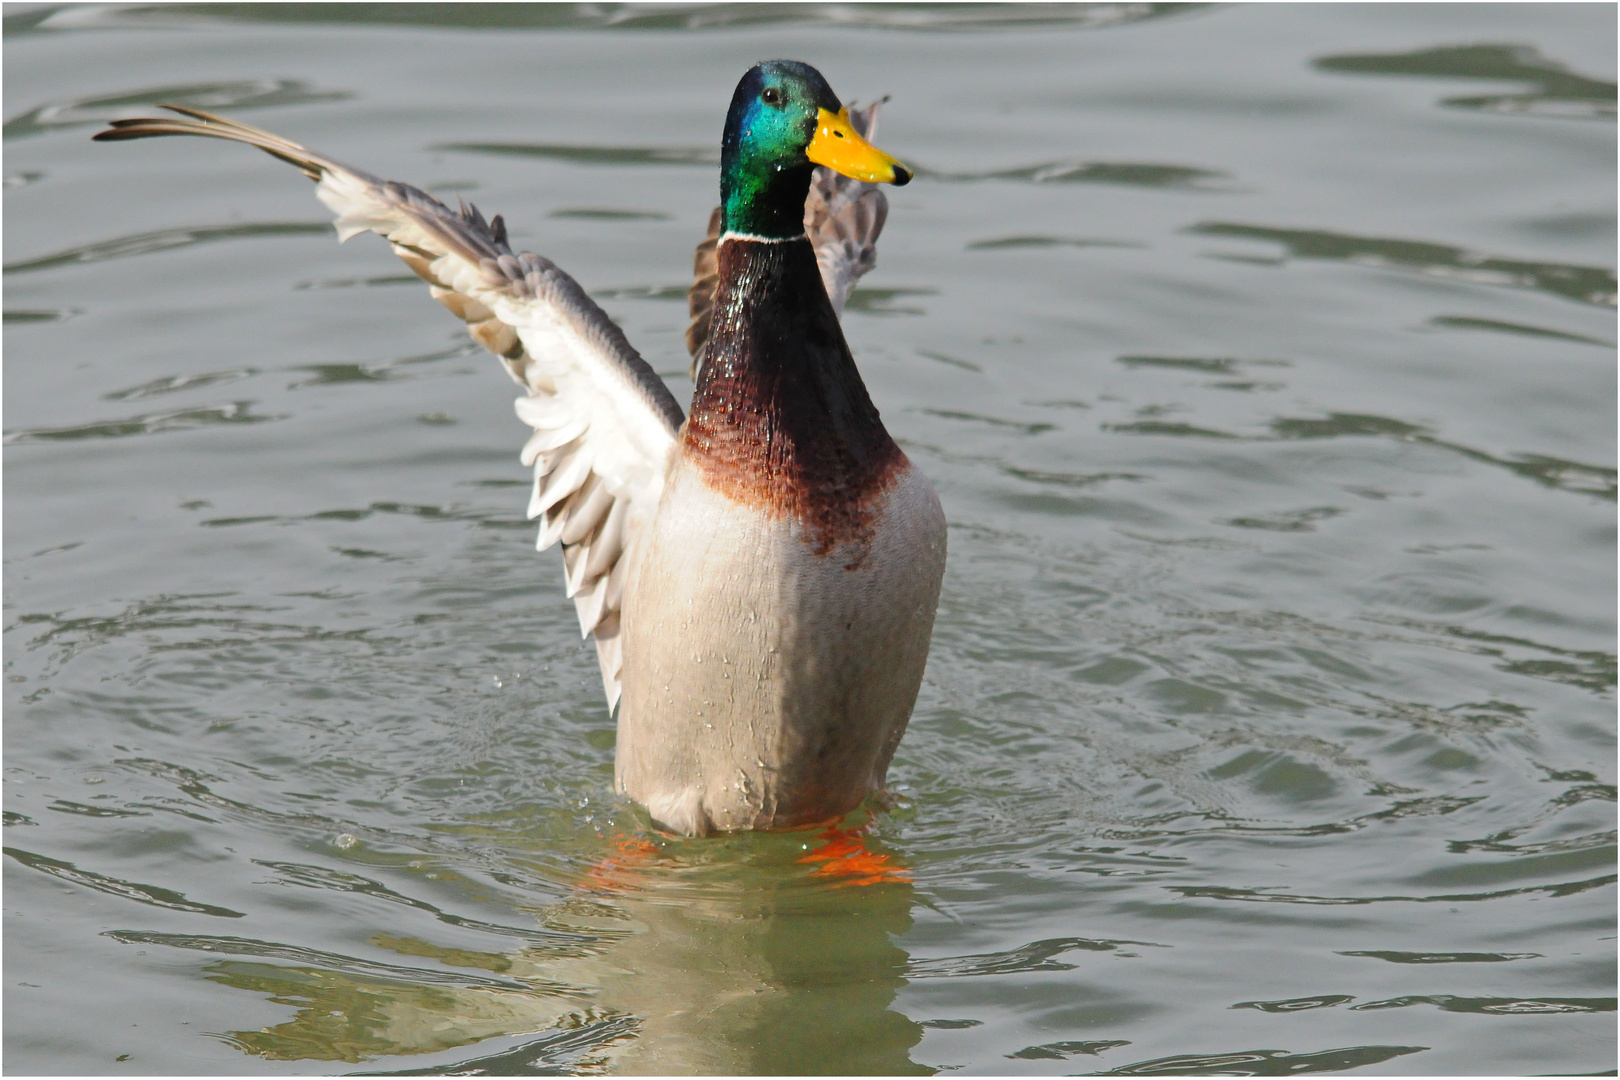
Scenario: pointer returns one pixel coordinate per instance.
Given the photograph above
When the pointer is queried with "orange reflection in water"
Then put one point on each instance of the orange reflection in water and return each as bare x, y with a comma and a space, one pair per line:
618, 872
845, 855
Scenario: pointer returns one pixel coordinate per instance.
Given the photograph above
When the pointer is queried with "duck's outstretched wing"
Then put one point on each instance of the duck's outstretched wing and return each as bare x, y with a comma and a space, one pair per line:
842, 217
603, 422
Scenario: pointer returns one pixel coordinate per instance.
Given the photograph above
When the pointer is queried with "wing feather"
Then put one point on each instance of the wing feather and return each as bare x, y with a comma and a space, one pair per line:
591, 505
609, 543
604, 423
588, 603
565, 479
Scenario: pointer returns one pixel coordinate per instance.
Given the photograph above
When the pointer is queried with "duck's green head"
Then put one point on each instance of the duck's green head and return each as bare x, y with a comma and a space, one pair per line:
784, 120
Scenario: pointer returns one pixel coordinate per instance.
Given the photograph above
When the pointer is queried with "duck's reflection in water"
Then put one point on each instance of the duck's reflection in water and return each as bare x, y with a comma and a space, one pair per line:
757, 954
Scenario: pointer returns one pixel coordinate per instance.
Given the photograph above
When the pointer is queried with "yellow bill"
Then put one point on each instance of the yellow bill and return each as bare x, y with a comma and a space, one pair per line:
840, 147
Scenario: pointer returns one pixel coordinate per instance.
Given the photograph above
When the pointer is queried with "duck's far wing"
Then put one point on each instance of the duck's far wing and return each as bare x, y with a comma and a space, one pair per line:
843, 218
604, 423
700, 297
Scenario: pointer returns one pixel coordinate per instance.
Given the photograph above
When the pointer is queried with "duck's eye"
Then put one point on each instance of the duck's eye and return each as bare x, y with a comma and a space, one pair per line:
771, 96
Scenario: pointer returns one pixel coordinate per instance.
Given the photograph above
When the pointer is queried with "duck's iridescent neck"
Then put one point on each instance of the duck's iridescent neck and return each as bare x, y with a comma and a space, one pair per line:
758, 199
781, 418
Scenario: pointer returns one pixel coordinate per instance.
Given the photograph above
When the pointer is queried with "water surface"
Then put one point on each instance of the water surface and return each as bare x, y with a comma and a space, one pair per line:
1263, 357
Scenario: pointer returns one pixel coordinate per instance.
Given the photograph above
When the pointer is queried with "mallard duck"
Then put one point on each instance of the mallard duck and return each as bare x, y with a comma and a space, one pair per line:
761, 576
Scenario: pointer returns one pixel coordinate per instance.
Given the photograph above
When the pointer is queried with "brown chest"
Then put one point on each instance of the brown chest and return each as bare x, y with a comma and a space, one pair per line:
781, 420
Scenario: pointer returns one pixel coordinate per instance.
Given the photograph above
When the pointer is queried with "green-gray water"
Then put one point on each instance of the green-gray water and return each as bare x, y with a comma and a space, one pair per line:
1264, 360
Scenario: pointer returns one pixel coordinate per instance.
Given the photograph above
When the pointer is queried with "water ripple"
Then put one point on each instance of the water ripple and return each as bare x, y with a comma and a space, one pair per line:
247, 94
1589, 669
1572, 476
66, 806
1036, 956
1057, 1051
1589, 842
1556, 92
423, 511
555, 1054
195, 786
173, 384
1218, 892
1264, 1062
1445, 957
603, 213
916, 18
22, 317
1125, 173
1010, 243
1291, 1005
869, 300
994, 421
581, 154
1586, 284
643, 292
235, 412
320, 877
1286, 520
1499, 1006
238, 946
129, 890
165, 240
1466, 322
